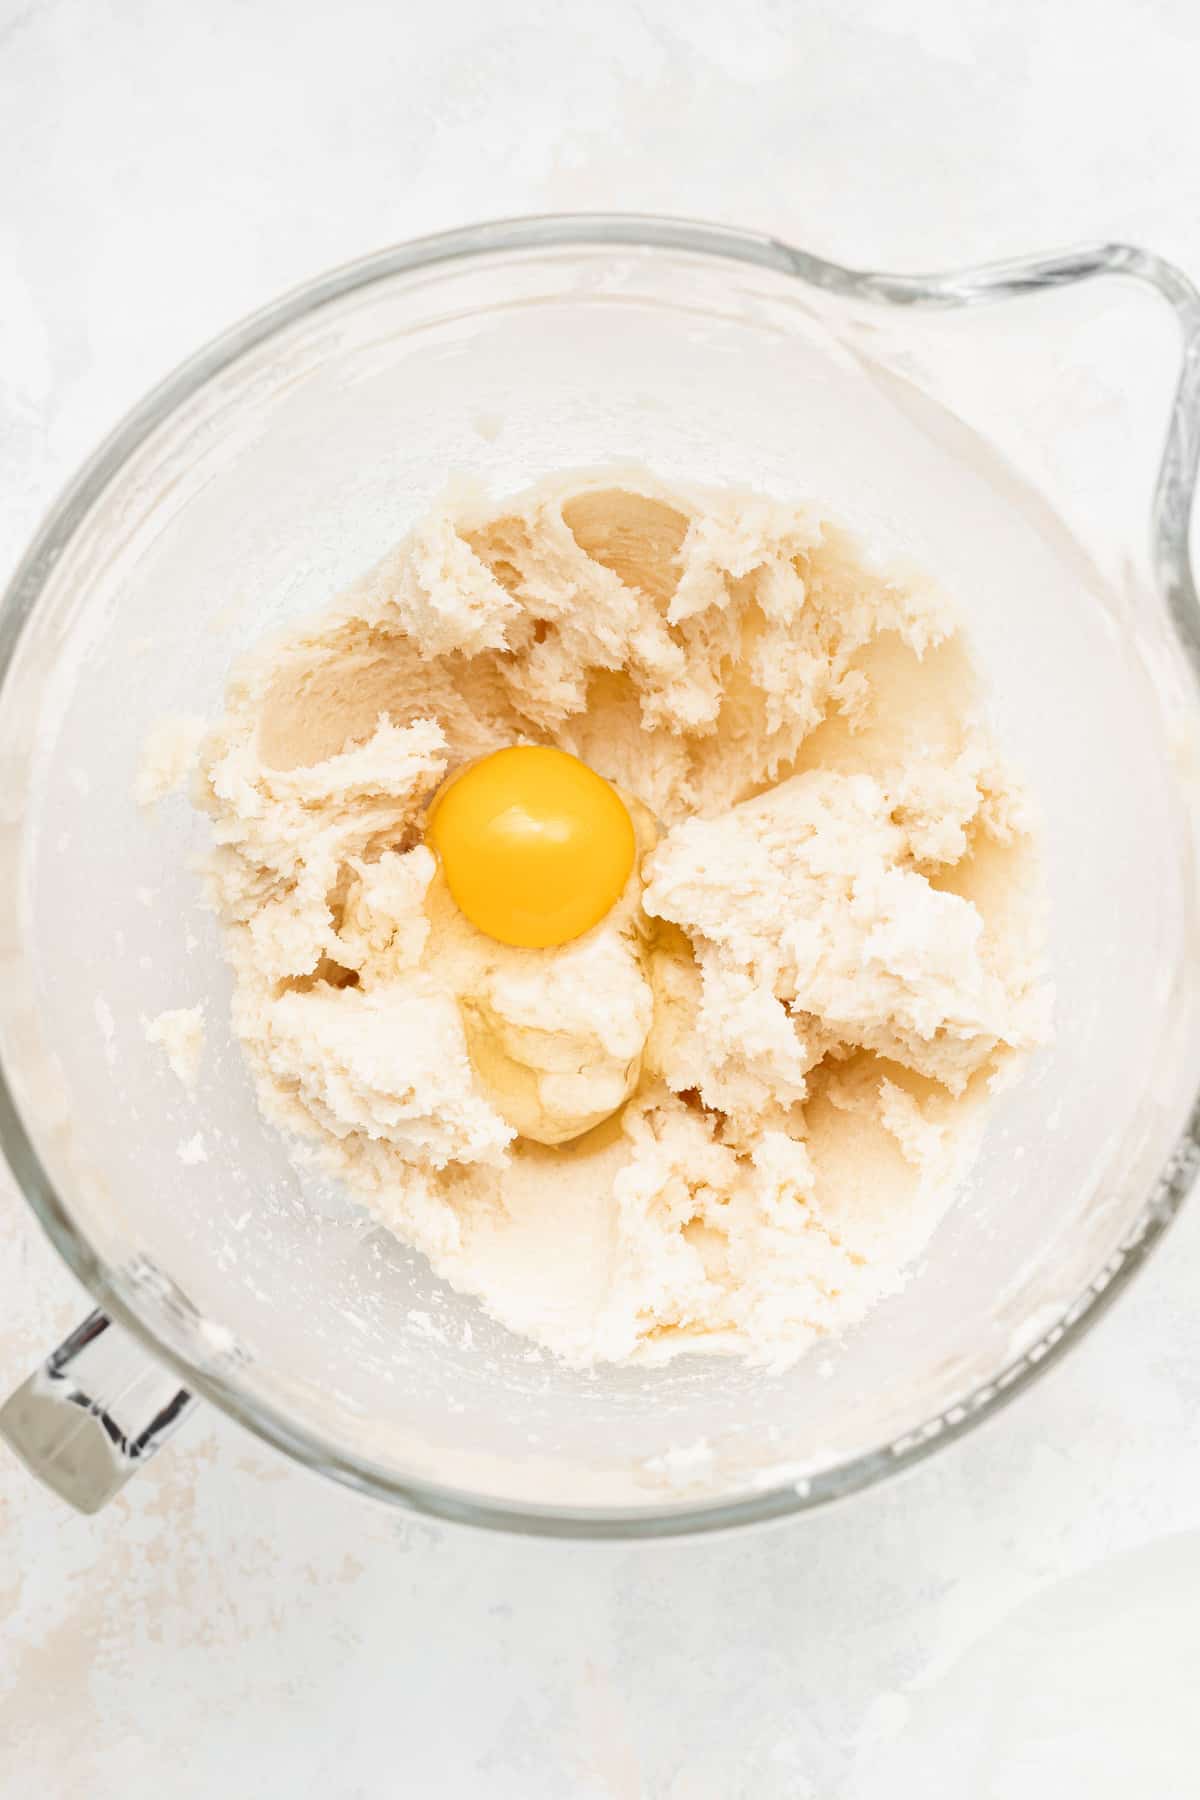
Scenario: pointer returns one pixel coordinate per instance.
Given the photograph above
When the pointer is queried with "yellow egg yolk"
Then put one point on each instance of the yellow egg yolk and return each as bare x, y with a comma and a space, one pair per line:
535, 846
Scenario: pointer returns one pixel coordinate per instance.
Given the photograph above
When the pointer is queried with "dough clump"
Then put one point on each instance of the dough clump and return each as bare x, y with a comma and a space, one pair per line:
729, 1115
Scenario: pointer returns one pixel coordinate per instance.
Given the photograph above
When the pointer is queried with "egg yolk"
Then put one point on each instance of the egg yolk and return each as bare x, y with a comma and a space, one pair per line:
535, 846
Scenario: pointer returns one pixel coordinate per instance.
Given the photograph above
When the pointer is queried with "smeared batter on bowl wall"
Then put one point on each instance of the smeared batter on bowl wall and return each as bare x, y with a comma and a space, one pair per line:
729, 1115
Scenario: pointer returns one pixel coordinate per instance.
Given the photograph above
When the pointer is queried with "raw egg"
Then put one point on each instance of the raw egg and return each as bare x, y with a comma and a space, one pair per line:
535, 846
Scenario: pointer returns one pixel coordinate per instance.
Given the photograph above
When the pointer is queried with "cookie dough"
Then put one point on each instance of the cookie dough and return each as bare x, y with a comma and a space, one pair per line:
728, 1116
180, 1033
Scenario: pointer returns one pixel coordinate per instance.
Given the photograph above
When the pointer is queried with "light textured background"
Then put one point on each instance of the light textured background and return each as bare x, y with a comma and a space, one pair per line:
1019, 1618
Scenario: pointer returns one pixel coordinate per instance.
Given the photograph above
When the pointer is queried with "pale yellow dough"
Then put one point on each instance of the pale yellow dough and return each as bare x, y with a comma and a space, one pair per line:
730, 1115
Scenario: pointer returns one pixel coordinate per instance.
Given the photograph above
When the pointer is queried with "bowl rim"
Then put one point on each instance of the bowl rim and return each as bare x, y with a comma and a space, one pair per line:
1169, 534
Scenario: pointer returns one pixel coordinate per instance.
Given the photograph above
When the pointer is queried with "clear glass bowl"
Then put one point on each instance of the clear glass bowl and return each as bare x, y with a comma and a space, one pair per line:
1003, 428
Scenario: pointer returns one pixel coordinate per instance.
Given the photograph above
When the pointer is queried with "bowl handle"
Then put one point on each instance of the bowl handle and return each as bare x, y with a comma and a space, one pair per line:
1179, 461
93, 1414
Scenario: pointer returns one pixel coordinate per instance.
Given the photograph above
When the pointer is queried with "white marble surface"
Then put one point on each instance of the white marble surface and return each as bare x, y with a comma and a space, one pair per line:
1020, 1617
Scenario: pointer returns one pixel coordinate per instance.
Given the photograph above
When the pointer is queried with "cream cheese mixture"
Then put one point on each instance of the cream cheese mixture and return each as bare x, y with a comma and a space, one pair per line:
728, 1116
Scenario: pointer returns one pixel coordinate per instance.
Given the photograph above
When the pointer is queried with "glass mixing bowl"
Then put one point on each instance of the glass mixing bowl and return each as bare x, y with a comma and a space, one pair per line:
1002, 427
